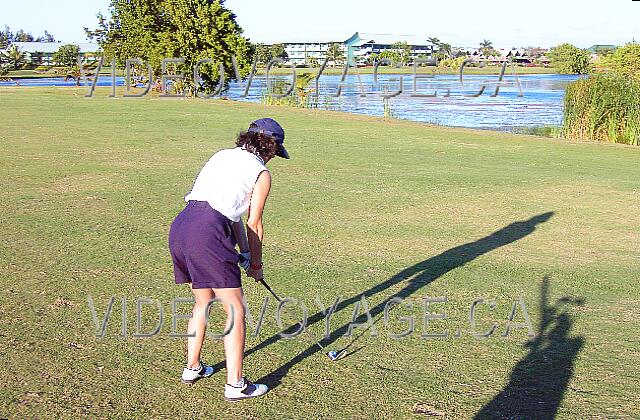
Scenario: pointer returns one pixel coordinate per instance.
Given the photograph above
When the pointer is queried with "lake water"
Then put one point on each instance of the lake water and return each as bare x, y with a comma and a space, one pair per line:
528, 101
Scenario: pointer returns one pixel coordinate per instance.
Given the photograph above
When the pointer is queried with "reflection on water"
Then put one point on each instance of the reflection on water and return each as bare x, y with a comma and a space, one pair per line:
541, 103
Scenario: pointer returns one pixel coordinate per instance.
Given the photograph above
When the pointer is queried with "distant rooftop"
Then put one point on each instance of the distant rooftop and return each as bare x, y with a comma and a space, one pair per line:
599, 47
289, 39
361, 38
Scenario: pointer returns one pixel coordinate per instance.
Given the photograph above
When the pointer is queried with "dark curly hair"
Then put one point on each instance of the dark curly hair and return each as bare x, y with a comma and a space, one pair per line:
259, 144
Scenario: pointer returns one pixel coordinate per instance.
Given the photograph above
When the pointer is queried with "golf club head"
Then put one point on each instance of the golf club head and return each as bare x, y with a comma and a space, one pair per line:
337, 355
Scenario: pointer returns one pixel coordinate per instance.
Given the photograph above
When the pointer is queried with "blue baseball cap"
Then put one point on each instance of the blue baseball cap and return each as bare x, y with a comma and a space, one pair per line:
270, 127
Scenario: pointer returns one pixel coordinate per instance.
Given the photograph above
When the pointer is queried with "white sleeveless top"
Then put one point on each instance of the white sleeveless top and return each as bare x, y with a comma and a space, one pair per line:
226, 181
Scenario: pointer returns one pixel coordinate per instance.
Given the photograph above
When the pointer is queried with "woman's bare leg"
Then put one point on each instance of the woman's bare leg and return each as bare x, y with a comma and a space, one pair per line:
198, 324
235, 340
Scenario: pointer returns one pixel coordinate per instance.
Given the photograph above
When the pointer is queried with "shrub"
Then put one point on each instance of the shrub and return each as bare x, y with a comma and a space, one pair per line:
569, 59
603, 107
624, 61
453, 63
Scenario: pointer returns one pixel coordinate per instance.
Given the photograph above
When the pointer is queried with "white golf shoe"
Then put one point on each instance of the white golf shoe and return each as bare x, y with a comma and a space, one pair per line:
190, 376
244, 389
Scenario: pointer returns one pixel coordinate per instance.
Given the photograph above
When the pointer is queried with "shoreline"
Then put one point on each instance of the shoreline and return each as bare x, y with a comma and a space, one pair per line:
32, 74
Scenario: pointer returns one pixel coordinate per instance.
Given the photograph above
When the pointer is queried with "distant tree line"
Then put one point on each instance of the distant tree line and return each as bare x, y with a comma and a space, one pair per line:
7, 37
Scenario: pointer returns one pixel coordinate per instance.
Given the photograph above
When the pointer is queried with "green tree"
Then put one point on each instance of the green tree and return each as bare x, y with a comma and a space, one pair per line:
37, 58
486, 44
404, 51
444, 51
14, 57
624, 61
262, 53
6, 36
278, 51
191, 29
486, 48
435, 44
4, 69
67, 55
391, 55
22, 36
47, 37
373, 58
569, 59
335, 53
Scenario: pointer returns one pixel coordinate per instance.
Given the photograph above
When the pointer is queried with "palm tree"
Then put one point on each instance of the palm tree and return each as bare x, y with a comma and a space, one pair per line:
335, 53
15, 57
486, 44
445, 49
302, 82
434, 41
486, 47
435, 44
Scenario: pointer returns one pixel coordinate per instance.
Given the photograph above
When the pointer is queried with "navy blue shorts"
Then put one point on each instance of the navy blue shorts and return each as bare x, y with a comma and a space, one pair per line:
202, 247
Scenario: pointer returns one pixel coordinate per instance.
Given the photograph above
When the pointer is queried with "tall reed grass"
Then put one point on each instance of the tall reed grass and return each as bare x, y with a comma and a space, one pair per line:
603, 107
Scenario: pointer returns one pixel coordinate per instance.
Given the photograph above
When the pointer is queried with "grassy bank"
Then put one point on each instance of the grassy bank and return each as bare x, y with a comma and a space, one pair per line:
383, 208
29, 74
34, 74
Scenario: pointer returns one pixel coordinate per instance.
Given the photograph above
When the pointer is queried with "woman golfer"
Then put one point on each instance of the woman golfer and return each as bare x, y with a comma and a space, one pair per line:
203, 238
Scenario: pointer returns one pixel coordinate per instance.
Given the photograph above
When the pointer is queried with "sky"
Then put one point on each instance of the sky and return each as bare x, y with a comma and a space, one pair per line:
463, 23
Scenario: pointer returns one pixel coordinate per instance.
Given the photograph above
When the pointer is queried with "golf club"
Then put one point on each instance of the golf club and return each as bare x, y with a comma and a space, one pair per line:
343, 352
333, 356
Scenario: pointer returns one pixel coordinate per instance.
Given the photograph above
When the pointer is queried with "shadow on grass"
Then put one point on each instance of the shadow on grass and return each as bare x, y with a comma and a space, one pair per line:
420, 275
538, 381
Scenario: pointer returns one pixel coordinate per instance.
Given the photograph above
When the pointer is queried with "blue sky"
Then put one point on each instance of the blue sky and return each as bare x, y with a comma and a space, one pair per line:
462, 22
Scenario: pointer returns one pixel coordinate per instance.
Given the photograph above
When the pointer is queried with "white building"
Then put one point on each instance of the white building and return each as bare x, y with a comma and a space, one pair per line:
360, 46
356, 50
303, 52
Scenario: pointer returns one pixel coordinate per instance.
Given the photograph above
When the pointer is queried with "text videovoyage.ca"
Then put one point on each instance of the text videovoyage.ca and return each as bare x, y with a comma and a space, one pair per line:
292, 317
244, 83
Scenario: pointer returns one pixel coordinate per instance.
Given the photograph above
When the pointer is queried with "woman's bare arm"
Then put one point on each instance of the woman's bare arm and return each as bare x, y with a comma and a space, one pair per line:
254, 221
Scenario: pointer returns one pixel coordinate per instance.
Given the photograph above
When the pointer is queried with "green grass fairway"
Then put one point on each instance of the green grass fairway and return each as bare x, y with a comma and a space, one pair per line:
366, 206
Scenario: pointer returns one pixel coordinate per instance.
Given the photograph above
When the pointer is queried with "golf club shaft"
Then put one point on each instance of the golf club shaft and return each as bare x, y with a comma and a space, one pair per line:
356, 338
264, 283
